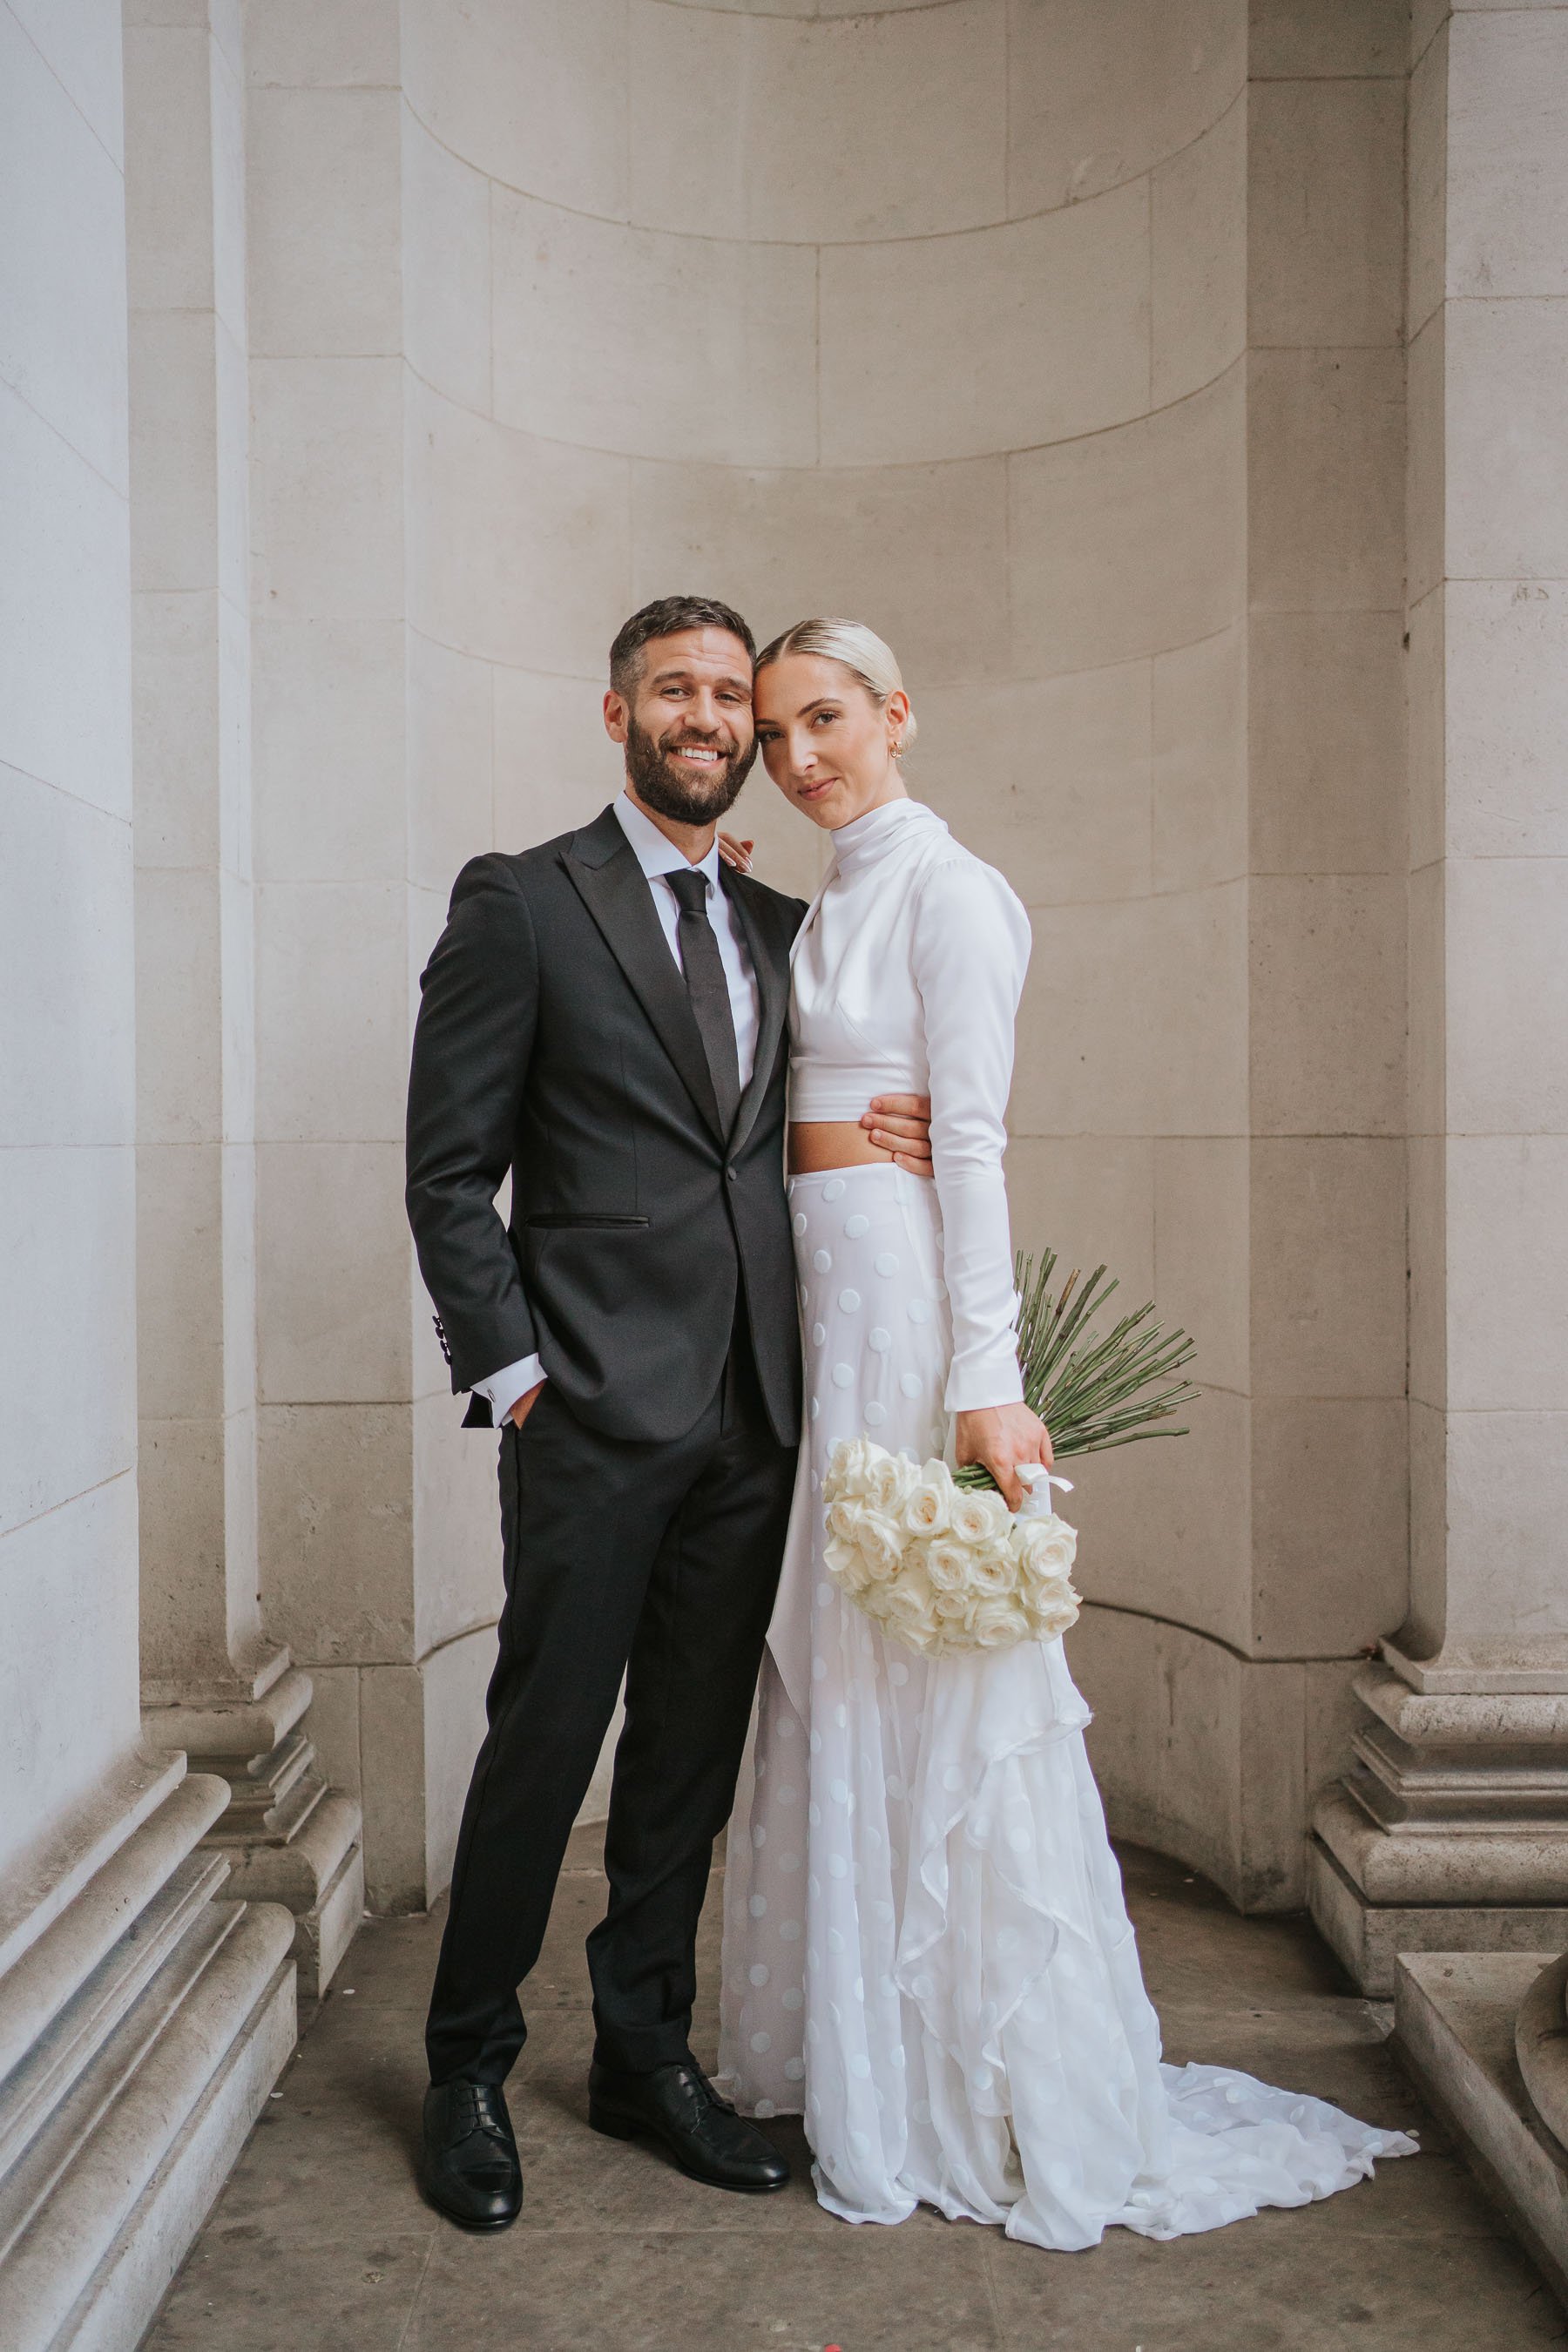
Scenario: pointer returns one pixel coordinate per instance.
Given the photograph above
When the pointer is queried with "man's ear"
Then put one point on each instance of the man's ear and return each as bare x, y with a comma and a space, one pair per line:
617, 716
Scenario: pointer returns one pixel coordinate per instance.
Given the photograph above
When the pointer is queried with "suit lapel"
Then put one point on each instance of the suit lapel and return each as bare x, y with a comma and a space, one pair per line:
771, 971
612, 886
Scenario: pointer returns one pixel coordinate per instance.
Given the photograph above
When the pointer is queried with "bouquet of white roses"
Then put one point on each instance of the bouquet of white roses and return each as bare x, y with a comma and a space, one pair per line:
939, 1567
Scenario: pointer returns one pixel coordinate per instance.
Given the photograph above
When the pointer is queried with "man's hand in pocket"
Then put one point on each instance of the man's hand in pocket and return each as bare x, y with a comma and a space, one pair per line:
526, 1404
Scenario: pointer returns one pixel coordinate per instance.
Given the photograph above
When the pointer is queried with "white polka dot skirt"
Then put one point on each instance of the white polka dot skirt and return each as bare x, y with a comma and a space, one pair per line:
926, 1950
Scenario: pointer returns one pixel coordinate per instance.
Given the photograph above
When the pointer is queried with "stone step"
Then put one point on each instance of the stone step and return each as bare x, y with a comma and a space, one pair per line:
79, 2030
1541, 2047
1369, 1937
96, 2215
320, 1874
1454, 2016
77, 1937
264, 1781
35, 1896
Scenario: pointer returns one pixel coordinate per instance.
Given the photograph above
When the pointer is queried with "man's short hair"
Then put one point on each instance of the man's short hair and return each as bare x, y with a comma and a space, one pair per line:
662, 619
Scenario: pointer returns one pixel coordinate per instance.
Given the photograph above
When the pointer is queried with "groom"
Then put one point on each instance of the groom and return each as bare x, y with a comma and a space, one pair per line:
605, 1018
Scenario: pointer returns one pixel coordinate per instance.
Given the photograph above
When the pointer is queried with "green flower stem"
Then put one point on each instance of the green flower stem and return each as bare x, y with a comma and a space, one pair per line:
1092, 1390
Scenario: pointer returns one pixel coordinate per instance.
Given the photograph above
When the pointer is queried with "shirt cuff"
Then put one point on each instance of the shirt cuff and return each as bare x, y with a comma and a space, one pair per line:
504, 1389
982, 1381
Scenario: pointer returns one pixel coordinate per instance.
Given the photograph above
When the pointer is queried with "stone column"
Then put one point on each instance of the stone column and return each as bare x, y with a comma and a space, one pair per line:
1450, 1833
379, 1555
1225, 1072
212, 1681
141, 2022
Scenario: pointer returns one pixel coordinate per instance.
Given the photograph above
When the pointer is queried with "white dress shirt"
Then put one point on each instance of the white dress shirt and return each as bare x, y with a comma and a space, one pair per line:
659, 856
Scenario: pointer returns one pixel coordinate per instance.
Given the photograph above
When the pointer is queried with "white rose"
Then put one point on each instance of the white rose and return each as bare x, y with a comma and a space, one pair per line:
1053, 1609
881, 1543
889, 1477
978, 1513
906, 1601
927, 1506
845, 1565
847, 1465
993, 1570
946, 1564
1046, 1548
996, 1624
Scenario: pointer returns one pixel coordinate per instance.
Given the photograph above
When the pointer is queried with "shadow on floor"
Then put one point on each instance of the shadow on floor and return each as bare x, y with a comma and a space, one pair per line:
320, 2241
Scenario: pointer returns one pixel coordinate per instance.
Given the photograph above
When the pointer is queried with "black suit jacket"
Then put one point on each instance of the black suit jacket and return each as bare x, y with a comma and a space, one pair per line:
555, 1038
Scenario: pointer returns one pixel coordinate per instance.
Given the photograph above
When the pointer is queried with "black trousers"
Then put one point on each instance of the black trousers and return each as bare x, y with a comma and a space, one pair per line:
660, 1561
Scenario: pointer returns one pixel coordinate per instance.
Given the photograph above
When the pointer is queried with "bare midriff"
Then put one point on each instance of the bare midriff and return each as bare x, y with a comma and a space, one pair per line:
819, 1144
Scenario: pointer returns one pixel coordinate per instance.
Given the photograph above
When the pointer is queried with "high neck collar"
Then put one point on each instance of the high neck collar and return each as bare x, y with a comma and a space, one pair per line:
866, 840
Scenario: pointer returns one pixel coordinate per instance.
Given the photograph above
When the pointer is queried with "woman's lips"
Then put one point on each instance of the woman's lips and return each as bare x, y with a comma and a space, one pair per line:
815, 792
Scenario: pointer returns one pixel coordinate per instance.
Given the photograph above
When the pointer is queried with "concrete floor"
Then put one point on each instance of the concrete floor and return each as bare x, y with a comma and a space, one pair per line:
319, 2239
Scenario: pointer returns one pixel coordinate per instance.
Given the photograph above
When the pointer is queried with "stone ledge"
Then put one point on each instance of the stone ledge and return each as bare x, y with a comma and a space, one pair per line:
1454, 2025
79, 1846
1505, 1864
1541, 2047
81, 2027
105, 2201
1369, 1938
224, 1732
109, 1906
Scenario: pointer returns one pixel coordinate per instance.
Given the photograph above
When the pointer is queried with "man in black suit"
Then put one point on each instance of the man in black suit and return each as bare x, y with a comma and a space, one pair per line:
605, 1017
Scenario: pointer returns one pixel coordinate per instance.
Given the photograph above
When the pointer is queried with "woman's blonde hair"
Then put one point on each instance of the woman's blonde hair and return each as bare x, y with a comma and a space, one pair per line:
854, 647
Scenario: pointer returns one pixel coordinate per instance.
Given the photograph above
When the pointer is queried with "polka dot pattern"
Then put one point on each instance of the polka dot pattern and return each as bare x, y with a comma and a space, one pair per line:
889, 1830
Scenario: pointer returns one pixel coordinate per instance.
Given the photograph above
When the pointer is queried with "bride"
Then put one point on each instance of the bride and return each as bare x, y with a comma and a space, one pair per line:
926, 1952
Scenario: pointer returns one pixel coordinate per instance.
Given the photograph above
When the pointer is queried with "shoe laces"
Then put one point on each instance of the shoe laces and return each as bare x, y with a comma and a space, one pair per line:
478, 2108
694, 2082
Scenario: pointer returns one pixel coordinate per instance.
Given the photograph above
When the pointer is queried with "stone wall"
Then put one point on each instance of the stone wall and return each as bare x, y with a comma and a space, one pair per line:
1063, 344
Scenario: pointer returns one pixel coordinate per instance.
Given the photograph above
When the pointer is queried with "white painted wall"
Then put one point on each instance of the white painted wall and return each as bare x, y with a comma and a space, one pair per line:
69, 1710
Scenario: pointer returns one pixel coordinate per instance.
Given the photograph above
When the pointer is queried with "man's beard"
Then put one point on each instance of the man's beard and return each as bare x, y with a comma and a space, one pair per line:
685, 800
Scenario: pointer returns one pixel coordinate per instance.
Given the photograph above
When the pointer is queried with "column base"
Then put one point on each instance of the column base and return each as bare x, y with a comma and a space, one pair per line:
287, 1837
1369, 1938
140, 2031
1449, 1832
1458, 2017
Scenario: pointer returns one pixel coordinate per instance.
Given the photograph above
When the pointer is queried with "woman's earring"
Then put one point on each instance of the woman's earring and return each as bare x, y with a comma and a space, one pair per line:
896, 750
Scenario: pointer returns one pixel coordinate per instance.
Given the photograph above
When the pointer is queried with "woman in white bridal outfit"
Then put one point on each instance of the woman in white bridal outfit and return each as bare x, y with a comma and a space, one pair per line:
926, 1951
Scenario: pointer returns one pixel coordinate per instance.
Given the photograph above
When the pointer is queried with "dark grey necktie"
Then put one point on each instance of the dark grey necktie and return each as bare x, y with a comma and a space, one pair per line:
709, 990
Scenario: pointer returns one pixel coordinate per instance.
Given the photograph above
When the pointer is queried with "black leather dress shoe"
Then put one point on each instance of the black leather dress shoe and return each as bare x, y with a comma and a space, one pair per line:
679, 2107
470, 2170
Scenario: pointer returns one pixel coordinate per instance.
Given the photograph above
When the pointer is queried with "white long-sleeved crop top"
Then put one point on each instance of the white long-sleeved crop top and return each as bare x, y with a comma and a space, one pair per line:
907, 976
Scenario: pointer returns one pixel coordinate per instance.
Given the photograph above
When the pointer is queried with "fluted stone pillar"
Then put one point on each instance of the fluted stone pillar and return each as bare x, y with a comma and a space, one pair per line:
143, 2012
1450, 1833
213, 1684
